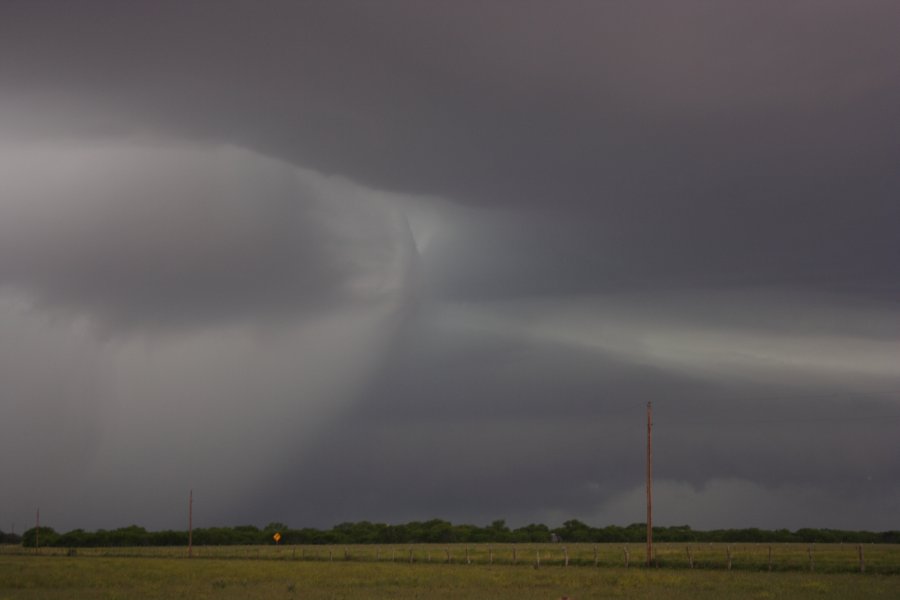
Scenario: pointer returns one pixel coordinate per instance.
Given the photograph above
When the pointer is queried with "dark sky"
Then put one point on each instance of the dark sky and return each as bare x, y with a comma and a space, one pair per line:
333, 261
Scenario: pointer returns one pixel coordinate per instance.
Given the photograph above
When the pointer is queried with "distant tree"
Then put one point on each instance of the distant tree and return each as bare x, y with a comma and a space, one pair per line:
435, 531
250, 534
77, 538
497, 531
45, 536
612, 533
677, 533
535, 532
133, 535
889, 537
274, 526
362, 532
169, 538
808, 535
10, 538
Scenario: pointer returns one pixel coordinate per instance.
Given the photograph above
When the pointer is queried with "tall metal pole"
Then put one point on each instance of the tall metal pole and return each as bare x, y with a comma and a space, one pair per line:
649, 483
37, 529
191, 524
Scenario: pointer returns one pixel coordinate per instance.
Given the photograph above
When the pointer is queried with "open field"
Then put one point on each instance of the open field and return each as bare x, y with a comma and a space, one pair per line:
159, 573
881, 559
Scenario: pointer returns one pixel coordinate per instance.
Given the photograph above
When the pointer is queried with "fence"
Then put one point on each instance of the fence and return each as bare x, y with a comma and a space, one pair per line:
826, 558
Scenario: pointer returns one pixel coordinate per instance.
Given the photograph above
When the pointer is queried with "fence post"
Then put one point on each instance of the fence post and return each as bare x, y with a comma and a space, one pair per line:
537, 562
447, 552
331, 554
690, 556
728, 553
515, 559
410, 555
862, 560
770, 558
566, 556
625, 549
809, 552
596, 557
490, 555
468, 560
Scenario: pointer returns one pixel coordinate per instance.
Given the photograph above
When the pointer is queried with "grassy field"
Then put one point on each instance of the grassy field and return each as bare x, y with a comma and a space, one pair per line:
159, 573
881, 559
88, 578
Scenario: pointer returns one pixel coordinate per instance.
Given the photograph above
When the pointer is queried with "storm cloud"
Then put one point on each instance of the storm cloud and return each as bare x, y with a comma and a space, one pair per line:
400, 260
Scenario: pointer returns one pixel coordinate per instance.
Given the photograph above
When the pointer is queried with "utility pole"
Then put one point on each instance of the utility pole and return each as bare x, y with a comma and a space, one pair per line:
191, 524
649, 483
37, 529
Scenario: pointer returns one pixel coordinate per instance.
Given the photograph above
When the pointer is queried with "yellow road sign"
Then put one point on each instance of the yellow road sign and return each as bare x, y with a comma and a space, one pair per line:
276, 537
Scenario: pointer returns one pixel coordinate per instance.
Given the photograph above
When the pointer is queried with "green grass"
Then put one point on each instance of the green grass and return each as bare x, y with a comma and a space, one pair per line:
156, 575
826, 558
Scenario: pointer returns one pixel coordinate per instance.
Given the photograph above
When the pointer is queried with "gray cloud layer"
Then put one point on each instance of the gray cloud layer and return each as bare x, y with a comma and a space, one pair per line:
402, 260
163, 233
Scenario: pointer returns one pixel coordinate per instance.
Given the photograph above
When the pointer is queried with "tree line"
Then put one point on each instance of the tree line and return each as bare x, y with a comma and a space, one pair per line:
435, 531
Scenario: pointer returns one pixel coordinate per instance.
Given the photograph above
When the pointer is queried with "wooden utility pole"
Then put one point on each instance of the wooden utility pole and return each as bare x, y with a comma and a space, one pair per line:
191, 524
649, 483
